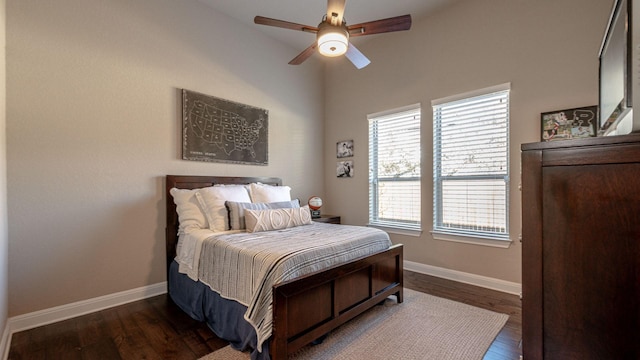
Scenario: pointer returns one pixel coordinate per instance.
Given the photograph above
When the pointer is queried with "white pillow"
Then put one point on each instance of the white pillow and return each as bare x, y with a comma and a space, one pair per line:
212, 201
276, 219
262, 193
189, 212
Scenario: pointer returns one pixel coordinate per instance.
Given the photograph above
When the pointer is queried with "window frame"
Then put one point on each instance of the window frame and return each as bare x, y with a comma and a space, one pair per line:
490, 238
392, 225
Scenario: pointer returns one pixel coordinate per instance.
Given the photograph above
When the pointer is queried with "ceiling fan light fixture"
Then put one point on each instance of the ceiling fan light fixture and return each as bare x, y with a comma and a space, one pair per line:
332, 40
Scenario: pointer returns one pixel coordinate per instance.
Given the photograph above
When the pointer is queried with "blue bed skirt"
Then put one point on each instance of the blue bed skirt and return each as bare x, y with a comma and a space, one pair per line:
224, 317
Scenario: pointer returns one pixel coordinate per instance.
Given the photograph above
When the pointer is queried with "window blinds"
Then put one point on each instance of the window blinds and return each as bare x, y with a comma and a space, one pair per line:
471, 165
394, 168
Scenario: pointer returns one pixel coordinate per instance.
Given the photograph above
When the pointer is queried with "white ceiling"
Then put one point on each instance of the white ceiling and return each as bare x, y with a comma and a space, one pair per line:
310, 12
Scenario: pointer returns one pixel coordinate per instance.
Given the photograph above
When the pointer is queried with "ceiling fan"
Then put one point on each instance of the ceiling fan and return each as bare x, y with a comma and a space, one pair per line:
332, 34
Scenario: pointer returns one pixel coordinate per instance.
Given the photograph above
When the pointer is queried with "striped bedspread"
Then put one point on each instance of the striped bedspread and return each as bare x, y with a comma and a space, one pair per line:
245, 266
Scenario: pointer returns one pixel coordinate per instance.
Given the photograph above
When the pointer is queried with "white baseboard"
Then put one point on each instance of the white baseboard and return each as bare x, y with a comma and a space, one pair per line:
63, 312
5, 342
463, 277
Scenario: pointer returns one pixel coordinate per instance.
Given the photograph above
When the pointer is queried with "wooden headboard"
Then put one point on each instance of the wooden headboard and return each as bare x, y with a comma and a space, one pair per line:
196, 182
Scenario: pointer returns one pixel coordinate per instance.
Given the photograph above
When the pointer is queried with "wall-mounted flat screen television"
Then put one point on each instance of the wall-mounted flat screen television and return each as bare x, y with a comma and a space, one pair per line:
617, 73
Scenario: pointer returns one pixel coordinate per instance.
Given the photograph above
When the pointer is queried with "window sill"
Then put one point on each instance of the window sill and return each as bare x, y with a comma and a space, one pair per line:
499, 243
392, 230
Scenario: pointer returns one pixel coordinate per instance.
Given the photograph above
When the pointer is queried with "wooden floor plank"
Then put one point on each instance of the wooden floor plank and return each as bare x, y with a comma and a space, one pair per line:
161, 336
128, 338
62, 340
101, 349
91, 329
157, 329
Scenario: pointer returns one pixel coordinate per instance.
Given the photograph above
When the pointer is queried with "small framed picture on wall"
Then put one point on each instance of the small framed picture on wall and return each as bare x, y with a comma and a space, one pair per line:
344, 149
344, 169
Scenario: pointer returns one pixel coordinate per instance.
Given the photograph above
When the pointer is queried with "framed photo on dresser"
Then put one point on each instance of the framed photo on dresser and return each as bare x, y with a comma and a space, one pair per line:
569, 124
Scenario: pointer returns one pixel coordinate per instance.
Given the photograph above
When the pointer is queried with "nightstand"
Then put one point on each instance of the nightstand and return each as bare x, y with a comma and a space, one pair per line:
329, 219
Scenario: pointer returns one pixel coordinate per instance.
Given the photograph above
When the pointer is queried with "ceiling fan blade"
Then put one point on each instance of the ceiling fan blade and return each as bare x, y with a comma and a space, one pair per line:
335, 7
261, 20
304, 55
397, 23
356, 57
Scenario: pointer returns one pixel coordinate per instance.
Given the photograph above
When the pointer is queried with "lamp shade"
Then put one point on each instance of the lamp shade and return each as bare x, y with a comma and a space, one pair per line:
332, 40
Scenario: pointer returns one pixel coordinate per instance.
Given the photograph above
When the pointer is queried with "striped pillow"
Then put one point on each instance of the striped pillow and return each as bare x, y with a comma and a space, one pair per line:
276, 219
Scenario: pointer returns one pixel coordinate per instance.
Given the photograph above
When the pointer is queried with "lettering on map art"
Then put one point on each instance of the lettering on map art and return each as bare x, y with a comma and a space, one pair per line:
218, 130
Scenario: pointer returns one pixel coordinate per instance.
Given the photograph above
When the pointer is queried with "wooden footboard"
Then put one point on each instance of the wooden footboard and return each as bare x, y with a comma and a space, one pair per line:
307, 308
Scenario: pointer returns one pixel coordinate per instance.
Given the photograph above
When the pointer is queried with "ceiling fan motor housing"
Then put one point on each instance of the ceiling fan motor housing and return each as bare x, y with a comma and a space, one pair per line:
332, 40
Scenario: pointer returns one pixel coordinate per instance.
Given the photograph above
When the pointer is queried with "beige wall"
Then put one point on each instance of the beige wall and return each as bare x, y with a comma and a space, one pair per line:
93, 125
93, 122
3, 173
547, 49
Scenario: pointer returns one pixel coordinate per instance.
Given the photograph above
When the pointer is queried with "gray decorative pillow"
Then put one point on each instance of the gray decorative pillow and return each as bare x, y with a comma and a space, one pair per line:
276, 219
236, 210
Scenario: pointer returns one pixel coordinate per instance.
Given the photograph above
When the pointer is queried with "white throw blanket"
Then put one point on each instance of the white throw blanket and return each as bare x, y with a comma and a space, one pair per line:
245, 266
189, 247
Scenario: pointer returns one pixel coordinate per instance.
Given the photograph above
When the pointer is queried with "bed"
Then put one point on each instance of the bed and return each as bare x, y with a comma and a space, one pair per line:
303, 309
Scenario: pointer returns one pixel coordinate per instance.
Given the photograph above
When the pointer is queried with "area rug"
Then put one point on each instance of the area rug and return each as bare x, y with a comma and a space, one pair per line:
423, 327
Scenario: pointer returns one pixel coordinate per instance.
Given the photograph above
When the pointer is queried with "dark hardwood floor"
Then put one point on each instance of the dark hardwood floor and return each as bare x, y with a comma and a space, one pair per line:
155, 328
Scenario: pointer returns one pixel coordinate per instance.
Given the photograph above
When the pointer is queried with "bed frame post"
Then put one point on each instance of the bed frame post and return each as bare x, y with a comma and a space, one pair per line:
278, 346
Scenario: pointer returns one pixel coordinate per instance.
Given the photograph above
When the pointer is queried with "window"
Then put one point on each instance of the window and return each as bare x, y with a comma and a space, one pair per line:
471, 164
394, 168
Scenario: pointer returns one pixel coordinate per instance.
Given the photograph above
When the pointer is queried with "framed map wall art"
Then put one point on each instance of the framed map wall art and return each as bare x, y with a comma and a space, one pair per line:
218, 130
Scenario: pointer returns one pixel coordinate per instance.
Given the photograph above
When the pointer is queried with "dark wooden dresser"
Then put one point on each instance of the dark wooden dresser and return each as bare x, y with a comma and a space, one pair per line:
581, 249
